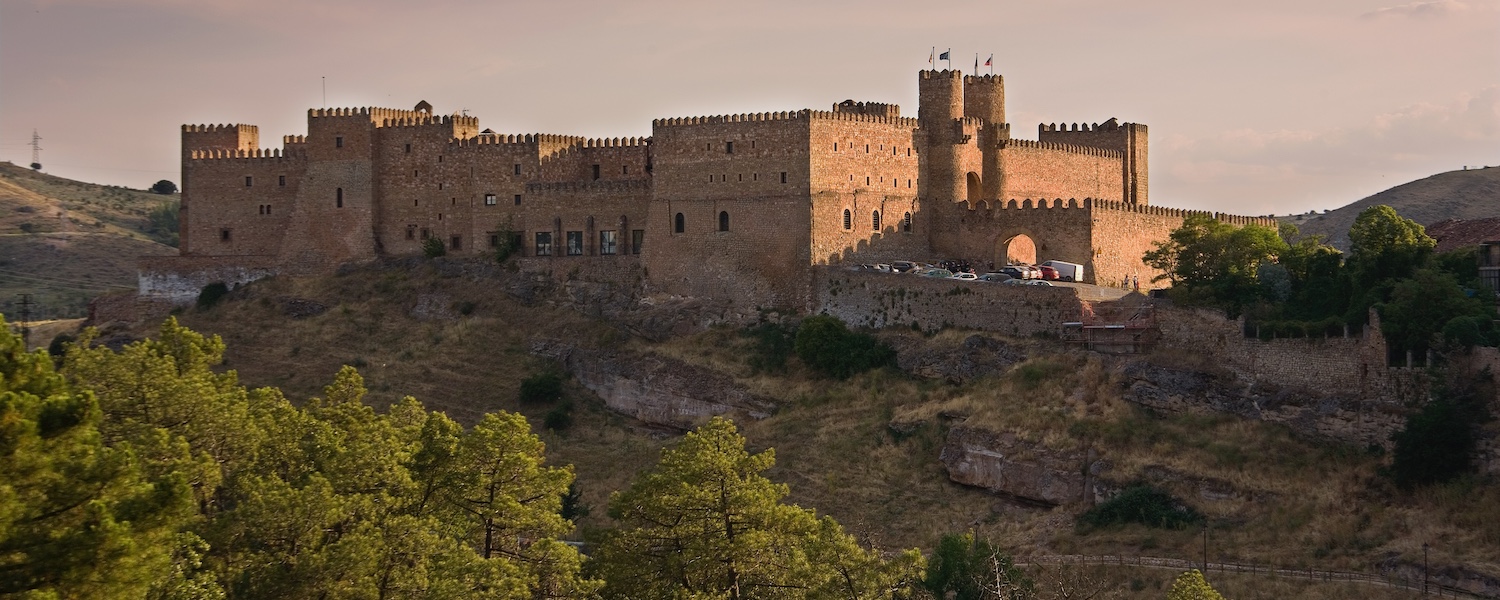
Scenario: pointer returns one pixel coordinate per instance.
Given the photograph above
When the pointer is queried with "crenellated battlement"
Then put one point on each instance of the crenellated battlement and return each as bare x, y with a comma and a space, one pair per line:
1110, 125
984, 79
289, 140
256, 154
221, 128
1073, 148
624, 185
426, 120
1240, 220
868, 108
526, 139
1097, 204
740, 118
862, 118
943, 74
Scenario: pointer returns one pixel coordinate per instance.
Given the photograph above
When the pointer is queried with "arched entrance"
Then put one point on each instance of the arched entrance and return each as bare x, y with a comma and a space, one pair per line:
1017, 249
975, 190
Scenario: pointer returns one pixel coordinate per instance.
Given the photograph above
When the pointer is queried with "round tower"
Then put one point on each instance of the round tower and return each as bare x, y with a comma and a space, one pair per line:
940, 103
984, 97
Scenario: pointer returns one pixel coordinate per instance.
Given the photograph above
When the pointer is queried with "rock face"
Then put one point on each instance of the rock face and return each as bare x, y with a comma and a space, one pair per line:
1330, 415
656, 389
976, 357
1006, 464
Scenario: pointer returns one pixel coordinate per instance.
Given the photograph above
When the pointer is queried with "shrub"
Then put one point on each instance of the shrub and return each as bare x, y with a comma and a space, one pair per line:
963, 568
164, 187
212, 294
433, 248
773, 344
1144, 505
541, 388
59, 345
560, 418
826, 344
1436, 445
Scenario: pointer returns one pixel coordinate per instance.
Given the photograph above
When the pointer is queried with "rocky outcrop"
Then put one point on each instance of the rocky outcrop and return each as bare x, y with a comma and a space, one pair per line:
1335, 414
656, 389
975, 357
1028, 471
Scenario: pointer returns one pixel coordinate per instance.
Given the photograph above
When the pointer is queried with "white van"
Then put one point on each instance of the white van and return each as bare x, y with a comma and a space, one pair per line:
1066, 271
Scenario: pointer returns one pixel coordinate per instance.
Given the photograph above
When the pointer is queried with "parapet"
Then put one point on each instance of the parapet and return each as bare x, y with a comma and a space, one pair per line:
943, 74
258, 153
526, 139
619, 185
1111, 125
740, 118
983, 79
1239, 220
221, 128
880, 109
1071, 148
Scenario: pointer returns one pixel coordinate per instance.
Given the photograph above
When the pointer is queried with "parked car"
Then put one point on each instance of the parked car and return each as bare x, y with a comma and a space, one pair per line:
995, 277
1014, 272
937, 273
1014, 281
902, 266
1048, 273
1066, 271
965, 276
1039, 282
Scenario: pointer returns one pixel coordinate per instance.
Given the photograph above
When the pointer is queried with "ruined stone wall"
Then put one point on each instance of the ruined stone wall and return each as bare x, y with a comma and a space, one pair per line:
869, 299
179, 279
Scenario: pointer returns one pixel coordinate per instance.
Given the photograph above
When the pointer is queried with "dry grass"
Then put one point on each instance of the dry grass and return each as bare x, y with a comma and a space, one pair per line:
1292, 502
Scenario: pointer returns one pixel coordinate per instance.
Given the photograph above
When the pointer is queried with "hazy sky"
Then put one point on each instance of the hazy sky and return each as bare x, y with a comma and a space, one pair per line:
1254, 107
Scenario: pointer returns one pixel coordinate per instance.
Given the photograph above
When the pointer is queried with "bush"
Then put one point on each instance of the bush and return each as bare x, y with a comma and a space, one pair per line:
559, 418
541, 388
1436, 445
825, 344
773, 345
212, 294
963, 568
59, 345
510, 243
1144, 505
433, 248
164, 187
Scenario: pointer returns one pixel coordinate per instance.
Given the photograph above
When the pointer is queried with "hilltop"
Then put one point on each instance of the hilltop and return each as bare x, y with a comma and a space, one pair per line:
461, 336
65, 242
1461, 195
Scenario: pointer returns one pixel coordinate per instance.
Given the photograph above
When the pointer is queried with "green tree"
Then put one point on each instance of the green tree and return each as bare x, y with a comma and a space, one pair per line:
1214, 263
1422, 306
164, 187
704, 523
162, 223
965, 568
433, 247
1192, 586
79, 518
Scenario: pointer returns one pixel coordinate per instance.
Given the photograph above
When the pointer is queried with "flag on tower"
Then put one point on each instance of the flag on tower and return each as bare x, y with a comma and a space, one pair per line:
990, 62
944, 55
932, 58
976, 63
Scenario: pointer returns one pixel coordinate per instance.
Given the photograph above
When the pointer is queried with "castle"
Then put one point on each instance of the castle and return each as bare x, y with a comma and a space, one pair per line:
737, 207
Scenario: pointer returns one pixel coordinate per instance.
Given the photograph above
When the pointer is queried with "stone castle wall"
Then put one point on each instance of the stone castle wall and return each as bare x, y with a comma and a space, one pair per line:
872, 299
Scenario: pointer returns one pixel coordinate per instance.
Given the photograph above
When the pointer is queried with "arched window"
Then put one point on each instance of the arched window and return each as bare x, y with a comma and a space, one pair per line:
679, 224
906, 223
338, 200
723, 220
875, 220
847, 222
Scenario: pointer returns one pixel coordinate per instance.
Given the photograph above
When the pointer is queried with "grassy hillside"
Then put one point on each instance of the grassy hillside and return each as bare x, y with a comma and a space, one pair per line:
1470, 194
1280, 500
65, 241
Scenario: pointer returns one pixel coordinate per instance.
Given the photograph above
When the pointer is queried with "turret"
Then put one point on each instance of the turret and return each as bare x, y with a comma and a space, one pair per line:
984, 97
940, 96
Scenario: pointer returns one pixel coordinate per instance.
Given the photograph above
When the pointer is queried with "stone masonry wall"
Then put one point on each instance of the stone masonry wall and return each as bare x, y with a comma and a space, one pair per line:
1035, 170
884, 299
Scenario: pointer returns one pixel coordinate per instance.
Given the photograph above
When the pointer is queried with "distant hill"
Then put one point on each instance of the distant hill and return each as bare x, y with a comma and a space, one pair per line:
65, 242
1460, 195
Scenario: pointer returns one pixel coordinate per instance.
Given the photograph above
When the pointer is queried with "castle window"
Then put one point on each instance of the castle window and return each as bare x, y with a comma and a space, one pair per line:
752, 144
414, 172
411, 232
723, 220
575, 243
625, 170
426, 233
908, 151
518, 168
494, 240
607, 241
908, 183
723, 177
679, 223
596, 172
489, 199
875, 220
408, 148
740, 177
835, 146
906, 223
637, 237
783, 176
518, 199
453, 202
440, 216
729, 147
755, 177
338, 198
456, 242
338, 141
440, 186
848, 223
416, 202
543, 243
867, 148
867, 181
440, 158
281, 180
223, 235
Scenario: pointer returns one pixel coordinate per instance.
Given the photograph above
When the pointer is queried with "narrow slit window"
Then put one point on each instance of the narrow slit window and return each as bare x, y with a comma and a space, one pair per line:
679, 223
848, 222
249, 180
223, 235
338, 198
729, 147
518, 199
723, 220
906, 223
338, 141
875, 220
596, 172
281, 180
518, 169
783, 176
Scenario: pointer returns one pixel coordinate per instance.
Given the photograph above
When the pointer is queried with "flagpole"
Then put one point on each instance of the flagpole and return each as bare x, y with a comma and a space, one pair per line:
932, 59
976, 64
949, 54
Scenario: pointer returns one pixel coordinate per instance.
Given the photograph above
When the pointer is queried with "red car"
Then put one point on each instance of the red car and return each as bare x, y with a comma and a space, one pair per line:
1049, 273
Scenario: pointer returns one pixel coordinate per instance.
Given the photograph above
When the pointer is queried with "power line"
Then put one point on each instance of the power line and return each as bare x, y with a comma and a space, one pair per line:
36, 151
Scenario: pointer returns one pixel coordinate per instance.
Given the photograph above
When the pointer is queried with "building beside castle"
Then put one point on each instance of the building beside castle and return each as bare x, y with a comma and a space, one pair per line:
737, 207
